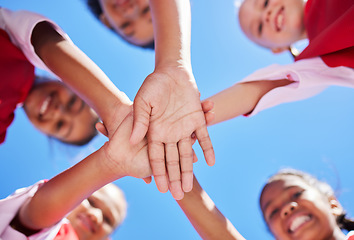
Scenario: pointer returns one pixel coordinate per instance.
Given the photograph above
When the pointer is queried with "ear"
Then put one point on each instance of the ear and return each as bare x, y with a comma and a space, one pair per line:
279, 50
337, 209
104, 20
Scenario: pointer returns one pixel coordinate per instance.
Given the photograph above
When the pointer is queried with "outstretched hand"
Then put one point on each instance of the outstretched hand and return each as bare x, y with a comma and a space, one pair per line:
167, 108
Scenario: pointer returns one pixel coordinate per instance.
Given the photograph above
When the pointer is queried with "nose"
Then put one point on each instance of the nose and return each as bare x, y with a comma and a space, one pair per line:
266, 15
288, 209
96, 216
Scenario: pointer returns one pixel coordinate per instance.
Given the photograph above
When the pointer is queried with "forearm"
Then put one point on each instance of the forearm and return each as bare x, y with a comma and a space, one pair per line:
172, 32
65, 191
241, 98
78, 71
208, 221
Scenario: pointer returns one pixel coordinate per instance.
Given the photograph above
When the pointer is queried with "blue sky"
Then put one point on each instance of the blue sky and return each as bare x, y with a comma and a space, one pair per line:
314, 135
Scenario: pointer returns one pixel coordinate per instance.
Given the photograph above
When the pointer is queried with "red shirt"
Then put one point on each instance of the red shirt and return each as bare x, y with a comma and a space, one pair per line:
66, 232
17, 77
330, 29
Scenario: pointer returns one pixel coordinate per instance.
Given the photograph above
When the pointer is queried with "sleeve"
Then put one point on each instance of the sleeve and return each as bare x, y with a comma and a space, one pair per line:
19, 26
9, 208
310, 76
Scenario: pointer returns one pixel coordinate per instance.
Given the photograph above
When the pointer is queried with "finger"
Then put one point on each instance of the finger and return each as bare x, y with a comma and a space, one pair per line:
207, 105
147, 180
195, 158
209, 117
101, 128
173, 170
156, 152
141, 120
186, 160
206, 145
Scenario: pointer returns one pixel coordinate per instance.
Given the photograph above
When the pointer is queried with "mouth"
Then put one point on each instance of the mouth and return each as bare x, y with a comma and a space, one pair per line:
86, 223
298, 222
279, 20
45, 106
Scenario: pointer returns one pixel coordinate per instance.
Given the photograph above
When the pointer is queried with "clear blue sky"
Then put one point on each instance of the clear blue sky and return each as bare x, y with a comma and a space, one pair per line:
315, 135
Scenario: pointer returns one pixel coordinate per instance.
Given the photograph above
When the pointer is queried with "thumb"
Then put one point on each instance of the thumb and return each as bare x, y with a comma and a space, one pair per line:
141, 120
101, 128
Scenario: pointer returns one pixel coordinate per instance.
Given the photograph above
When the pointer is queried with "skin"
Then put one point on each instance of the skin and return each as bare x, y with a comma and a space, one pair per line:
289, 198
66, 116
274, 24
167, 107
100, 214
131, 19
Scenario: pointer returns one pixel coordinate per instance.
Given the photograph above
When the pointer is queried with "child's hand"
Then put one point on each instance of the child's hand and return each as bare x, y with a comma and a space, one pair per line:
124, 158
168, 108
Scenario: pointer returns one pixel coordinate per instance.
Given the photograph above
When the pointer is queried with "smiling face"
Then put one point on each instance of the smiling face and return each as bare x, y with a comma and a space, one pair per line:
293, 210
131, 19
100, 214
57, 112
273, 23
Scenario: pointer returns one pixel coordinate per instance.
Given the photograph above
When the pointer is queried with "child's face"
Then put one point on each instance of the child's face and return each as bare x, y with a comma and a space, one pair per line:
294, 210
56, 111
99, 215
131, 19
273, 23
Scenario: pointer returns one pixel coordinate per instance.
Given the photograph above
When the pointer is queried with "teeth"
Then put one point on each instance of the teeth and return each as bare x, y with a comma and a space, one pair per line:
280, 21
44, 106
298, 222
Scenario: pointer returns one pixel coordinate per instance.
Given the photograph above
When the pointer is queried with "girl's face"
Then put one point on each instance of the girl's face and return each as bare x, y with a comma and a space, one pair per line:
293, 209
99, 215
57, 112
273, 23
131, 19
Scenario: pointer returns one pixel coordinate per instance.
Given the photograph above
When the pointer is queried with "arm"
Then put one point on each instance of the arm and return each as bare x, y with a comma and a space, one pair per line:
75, 69
207, 220
115, 159
241, 98
167, 106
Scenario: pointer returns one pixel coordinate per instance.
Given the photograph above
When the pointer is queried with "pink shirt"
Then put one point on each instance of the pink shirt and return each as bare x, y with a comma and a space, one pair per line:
311, 77
10, 206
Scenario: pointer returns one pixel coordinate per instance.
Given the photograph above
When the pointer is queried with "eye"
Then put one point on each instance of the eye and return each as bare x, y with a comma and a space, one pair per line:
266, 3
297, 194
260, 28
145, 10
125, 25
271, 215
92, 203
59, 125
107, 220
71, 102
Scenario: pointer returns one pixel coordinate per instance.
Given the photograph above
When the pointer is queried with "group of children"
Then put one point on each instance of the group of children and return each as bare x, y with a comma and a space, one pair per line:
142, 140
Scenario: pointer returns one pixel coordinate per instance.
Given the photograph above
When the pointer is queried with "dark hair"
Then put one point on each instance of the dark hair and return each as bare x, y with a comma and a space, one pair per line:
323, 187
96, 9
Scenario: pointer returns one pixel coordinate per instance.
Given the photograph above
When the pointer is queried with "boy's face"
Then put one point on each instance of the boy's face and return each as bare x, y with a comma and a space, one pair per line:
58, 112
99, 215
131, 19
273, 23
294, 210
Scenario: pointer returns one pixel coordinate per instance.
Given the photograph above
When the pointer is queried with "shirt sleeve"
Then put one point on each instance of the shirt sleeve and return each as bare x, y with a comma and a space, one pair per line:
19, 26
310, 76
9, 208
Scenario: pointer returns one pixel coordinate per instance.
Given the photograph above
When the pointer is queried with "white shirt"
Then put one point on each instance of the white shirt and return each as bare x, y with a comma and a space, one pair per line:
311, 77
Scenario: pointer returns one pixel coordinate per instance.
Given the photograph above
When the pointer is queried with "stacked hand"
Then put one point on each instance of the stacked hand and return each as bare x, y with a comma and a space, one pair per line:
167, 108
